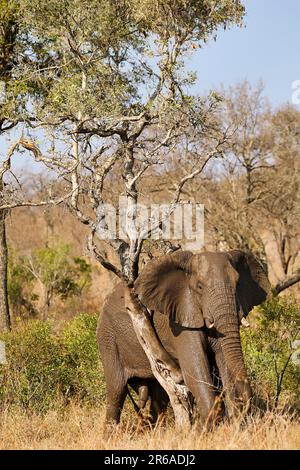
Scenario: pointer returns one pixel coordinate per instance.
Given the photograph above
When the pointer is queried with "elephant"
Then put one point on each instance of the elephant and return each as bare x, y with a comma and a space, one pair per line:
197, 303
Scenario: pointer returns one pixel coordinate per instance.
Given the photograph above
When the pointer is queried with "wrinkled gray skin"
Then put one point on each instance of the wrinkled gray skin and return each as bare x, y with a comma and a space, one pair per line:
198, 302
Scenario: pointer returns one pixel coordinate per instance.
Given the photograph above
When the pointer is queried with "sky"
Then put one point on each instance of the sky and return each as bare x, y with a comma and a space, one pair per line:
267, 48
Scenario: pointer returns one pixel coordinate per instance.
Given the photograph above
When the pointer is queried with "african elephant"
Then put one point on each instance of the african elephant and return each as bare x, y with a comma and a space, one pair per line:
198, 301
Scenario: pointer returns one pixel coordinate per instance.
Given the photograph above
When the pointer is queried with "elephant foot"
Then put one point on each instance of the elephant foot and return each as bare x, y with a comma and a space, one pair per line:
208, 420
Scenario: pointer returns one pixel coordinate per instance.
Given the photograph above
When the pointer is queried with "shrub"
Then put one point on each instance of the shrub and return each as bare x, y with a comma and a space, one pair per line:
45, 369
81, 367
20, 288
31, 376
270, 352
59, 274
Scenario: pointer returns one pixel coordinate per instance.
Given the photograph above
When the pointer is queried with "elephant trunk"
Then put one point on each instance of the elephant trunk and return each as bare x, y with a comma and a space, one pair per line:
234, 375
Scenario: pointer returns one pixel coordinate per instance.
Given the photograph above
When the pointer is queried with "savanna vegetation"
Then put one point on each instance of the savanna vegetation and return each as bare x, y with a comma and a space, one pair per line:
98, 104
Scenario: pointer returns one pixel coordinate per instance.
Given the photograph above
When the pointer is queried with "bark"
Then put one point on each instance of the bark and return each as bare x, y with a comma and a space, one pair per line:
277, 273
276, 270
289, 281
46, 302
5, 322
131, 262
163, 367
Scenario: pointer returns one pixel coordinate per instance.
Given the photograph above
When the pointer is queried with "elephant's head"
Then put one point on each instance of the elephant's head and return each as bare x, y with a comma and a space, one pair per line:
212, 290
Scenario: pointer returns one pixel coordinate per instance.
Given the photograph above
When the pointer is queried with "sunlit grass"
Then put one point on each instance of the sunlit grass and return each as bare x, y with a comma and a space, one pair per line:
81, 428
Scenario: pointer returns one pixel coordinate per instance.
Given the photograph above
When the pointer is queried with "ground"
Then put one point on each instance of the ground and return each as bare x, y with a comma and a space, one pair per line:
81, 428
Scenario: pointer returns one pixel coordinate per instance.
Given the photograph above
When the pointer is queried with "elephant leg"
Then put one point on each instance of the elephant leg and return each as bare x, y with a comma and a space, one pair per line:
141, 388
215, 364
159, 401
116, 395
116, 389
143, 393
192, 354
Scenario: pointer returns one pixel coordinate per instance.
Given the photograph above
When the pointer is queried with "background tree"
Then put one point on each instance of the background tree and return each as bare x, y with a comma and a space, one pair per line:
19, 286
281, 209
251, 196
17, 50
239, 184
9, 44
36, 279
57, 273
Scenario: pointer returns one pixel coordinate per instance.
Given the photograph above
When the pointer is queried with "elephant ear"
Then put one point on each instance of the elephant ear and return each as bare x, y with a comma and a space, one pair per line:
253, 287
163, 285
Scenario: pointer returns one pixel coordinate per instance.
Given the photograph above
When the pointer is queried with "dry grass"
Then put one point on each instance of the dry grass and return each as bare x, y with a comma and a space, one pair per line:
81, 428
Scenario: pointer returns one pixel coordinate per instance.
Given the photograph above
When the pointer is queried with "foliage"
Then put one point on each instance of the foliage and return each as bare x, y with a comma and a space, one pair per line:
100, 49
46, 368
20, 294
88, 41
15, 42
193, 18
81, 364
270, 349
8, 53
59, 274
8, 31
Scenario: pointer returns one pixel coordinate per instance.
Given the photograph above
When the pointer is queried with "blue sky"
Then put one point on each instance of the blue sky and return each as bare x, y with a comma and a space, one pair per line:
267, 48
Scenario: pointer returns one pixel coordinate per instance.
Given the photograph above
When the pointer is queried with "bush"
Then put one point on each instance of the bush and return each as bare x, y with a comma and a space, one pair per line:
20, 289
81, 367
59, 274
270, 349
45, 369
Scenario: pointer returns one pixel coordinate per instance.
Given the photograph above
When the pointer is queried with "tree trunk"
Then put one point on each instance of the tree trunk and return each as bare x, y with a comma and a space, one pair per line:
276, 272
46, 301
5, 323
163, 367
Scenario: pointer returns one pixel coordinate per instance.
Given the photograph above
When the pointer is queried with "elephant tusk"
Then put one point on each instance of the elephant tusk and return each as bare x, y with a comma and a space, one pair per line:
245, 323
209, 322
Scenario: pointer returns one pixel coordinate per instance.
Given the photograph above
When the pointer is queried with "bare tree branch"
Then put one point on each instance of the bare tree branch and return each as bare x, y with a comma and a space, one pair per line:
287, 282
101, 258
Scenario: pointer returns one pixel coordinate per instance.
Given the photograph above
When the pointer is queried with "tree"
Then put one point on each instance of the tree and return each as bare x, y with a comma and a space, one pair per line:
272, 347
114, 101
282, 207
251, 197
239, 185
54, 271
8, 46
16, 51
57, 273
19, 286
